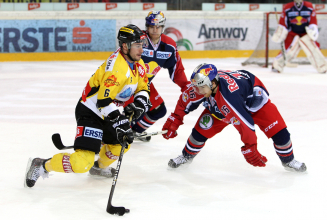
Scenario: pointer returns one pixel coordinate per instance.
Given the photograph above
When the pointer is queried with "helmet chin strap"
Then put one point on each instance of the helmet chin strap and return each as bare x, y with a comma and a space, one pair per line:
128, 54
214, 89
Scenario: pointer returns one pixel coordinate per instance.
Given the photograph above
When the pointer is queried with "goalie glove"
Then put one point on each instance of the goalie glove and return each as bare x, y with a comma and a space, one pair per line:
122, 127
136, 109
171, 125
253, 157
312, 31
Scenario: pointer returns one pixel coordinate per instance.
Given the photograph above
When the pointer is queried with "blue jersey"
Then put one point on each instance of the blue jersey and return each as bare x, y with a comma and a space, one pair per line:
296, 19
164, 55
239, 95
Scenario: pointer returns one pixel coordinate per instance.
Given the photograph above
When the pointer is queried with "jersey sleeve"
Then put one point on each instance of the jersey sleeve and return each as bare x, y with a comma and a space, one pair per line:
313, 18
188, 101
174, 64
283, 17
230, 97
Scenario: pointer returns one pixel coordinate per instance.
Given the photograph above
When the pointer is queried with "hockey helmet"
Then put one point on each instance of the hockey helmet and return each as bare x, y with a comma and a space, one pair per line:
203, 75
155, 18
131, 34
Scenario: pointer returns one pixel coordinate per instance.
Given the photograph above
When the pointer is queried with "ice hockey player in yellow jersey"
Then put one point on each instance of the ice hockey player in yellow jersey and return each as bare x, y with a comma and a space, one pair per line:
98, 117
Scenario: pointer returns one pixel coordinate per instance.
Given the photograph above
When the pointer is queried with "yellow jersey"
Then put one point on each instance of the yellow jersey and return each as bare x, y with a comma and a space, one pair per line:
114, 83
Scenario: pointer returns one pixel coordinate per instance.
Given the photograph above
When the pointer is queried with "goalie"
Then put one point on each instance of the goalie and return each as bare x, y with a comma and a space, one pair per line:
298, 30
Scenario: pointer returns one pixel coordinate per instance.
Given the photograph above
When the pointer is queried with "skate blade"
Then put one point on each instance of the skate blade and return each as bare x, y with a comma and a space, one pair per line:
27, 169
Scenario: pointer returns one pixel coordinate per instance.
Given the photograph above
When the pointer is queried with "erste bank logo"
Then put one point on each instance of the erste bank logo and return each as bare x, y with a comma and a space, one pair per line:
82, 35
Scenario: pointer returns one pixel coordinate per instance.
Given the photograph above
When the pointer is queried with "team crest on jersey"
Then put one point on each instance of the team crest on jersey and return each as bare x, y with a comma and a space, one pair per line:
185, 97
163, 55
235, 121
206, 121
111, 81
148, 53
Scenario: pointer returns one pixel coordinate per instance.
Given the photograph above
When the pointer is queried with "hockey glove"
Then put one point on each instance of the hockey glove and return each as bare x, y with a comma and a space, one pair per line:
123, 129
253, 157
137, 108
171, 125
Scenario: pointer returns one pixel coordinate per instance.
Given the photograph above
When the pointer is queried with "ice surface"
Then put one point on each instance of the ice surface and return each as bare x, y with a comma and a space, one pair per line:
38, 99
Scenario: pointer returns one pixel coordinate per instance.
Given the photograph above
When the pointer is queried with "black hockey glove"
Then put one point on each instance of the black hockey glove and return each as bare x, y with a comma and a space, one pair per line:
136, 109
123, 129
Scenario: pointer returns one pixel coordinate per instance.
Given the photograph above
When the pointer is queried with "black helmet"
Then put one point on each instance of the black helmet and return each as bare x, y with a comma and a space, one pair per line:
131, 34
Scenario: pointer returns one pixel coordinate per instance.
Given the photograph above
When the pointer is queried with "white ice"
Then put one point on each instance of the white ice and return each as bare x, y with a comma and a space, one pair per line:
38, 99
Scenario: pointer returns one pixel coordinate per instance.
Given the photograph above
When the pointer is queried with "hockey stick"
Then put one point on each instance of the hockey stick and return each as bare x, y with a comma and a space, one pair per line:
56, 139
282, 44
110, 208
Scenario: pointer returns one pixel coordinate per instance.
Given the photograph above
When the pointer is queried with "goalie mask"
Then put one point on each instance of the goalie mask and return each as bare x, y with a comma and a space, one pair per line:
203, 75
131, 34
298, 3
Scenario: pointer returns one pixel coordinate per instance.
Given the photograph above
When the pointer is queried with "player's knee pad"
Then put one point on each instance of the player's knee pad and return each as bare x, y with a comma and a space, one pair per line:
197, 136
109, 153
283, 145
158, 112
80, 161
313, 53
282, 137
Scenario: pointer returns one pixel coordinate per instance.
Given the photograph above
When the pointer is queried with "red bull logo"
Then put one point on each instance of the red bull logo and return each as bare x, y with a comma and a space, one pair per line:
206, 71
299, 20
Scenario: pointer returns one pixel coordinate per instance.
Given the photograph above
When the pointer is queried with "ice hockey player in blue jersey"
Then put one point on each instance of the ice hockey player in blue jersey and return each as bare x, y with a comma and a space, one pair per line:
161, 53
231, 97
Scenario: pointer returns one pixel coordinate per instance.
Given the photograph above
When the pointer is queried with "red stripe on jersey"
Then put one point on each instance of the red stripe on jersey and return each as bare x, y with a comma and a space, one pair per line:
86, 91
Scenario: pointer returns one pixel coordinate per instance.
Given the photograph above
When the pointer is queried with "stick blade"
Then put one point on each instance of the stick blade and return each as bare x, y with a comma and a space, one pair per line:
57, 141
117, 210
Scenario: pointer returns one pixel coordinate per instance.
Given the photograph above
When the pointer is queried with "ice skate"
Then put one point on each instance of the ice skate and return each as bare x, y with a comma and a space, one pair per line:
138, 136
97, 171
295, 166
34, 170
176, 162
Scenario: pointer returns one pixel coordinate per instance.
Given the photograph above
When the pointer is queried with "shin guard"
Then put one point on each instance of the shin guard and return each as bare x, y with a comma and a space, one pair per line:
283, 145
